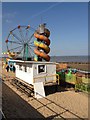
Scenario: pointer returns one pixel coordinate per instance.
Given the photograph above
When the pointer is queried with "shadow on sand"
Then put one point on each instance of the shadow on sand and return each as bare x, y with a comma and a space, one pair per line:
14, 107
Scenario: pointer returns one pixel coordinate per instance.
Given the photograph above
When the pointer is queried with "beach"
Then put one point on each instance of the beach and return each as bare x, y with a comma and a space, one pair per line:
80, 66
62, 103
76, 65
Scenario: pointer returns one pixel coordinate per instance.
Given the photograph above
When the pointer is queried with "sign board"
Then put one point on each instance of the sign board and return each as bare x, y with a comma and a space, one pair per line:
39, 90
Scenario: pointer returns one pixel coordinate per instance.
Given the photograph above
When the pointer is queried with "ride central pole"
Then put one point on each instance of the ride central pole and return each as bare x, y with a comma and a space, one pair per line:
25, 54
26, 51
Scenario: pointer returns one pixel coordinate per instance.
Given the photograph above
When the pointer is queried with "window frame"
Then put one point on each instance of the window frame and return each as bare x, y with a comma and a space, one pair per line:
38, 69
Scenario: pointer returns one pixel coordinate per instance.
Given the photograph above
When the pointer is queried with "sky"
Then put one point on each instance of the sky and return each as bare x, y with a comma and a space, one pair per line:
67, 22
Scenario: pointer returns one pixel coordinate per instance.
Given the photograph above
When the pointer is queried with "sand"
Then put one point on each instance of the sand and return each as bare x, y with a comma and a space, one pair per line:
81, 66
61, 104
15, 107
66, 104
77, 65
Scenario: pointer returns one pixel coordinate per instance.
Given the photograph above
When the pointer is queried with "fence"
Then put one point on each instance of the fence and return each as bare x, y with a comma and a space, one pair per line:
81, 83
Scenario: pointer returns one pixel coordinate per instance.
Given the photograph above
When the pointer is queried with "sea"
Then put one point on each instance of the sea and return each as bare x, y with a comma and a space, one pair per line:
70, 59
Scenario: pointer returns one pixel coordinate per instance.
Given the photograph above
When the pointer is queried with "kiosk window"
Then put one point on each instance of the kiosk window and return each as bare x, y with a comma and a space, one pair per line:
41, 69
25, 68
20, 67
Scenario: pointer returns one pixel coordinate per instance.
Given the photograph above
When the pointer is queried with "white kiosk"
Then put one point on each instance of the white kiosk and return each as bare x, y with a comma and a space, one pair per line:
37, 74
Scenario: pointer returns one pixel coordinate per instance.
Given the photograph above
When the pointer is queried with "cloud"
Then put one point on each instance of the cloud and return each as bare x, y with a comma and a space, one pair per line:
8, 17
8, 21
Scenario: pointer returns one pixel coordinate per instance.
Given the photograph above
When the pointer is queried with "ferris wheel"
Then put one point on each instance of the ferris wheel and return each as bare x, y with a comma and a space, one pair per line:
20, 43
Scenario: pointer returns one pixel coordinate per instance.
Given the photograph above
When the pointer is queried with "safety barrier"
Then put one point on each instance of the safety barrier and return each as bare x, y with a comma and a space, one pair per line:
48, 79
82, 84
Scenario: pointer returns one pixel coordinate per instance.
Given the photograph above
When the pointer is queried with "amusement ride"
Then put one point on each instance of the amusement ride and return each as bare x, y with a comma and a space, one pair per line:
28, 44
